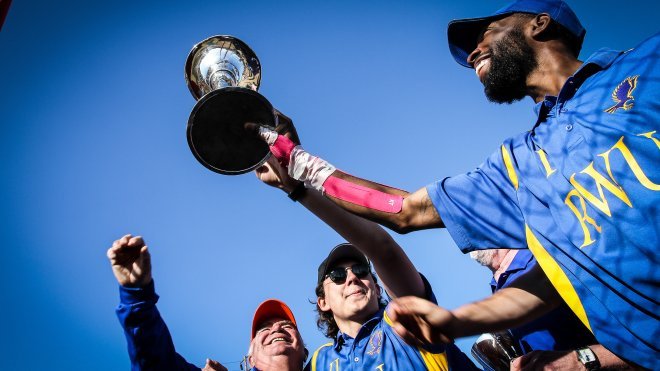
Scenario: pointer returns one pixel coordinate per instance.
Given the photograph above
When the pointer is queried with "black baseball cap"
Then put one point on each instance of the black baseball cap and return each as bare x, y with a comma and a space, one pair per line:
343, 251
463, 33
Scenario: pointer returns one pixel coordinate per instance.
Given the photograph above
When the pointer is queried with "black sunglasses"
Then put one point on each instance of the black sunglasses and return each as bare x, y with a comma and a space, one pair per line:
338, 275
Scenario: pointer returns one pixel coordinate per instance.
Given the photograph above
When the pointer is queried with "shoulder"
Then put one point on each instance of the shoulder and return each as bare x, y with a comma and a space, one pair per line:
319, 352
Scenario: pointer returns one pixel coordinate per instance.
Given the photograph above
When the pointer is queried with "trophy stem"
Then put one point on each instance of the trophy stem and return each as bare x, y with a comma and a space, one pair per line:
222, 76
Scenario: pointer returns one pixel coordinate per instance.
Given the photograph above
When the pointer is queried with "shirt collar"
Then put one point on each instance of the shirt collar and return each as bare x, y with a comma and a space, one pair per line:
598, 61
519, 262
342, 338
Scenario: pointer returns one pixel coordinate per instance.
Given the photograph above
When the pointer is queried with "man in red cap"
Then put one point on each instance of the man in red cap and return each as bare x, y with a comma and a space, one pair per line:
275, 343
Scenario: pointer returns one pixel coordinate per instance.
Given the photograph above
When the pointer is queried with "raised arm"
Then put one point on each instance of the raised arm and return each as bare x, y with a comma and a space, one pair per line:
150, 345
394, 208
393, 266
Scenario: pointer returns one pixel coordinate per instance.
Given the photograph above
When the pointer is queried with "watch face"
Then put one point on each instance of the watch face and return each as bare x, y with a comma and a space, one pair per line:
588, 358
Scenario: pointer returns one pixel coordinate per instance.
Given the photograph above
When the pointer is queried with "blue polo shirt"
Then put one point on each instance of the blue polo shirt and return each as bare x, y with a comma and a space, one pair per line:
581, 191
560, 329
150, 345
378, 347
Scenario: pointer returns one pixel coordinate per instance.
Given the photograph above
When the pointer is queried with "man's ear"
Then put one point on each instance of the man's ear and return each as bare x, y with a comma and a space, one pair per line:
539, 24
323, 305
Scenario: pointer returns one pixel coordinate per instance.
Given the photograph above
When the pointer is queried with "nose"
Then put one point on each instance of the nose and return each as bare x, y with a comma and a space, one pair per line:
277, 326
350, 276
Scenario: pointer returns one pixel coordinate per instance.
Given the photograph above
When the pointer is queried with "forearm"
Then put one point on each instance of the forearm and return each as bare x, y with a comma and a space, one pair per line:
527, 298
149, 341
610, 361
415, 212
507, 308
393, 266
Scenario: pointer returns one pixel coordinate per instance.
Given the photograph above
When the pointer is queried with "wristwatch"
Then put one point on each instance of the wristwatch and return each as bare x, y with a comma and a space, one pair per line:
297, 192
588, 358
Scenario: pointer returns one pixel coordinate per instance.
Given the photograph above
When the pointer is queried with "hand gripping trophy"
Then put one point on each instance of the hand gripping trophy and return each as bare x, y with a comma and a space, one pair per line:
223, 75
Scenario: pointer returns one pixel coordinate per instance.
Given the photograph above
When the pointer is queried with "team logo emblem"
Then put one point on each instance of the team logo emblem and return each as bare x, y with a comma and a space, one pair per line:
622, 95
375, 343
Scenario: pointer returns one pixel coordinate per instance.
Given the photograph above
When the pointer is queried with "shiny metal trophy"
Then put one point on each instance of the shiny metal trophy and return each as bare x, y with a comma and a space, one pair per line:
223, 74
495, 351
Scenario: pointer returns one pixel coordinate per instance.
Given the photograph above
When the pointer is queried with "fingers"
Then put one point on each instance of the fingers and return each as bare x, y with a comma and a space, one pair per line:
528, 361
126, 243
405, 324
516, 364
418, 320
285, 127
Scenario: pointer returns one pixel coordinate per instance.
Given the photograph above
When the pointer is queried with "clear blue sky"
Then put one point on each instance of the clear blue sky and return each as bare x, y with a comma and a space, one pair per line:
94, 109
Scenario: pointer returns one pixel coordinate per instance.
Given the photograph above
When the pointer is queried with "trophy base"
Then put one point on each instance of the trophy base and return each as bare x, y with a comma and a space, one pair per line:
216, 130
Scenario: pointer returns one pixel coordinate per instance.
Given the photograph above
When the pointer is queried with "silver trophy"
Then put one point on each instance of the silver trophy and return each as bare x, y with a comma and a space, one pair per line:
223, 75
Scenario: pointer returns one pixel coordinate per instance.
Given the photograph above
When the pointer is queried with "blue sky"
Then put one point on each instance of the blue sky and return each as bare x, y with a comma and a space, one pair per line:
94, 109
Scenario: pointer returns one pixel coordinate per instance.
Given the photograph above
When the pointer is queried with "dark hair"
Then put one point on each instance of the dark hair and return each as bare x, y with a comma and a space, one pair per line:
556, 31
325, 321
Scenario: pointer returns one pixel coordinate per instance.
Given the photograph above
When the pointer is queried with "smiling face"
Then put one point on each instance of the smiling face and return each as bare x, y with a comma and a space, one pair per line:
503, 60
276, 338
353, 300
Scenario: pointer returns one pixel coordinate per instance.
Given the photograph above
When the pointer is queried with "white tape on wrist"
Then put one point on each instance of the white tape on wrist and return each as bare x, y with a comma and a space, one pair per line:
311, 170
268, 135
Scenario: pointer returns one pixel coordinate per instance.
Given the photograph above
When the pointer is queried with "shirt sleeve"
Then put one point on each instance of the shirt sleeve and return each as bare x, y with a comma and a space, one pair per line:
480, 208
150, 345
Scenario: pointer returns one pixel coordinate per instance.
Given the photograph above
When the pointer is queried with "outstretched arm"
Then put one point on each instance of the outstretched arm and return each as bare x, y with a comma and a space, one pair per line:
528, 297
397, 209
393, 266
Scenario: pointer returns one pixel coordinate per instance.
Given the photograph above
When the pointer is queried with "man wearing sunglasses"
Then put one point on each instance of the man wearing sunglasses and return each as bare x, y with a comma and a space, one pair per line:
351, 304
275, 342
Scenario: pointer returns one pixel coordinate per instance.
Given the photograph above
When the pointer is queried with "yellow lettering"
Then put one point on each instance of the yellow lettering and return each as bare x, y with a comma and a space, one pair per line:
631, 161
334, 365
582, 217
601, 181
380, 367
650, 136
544, 160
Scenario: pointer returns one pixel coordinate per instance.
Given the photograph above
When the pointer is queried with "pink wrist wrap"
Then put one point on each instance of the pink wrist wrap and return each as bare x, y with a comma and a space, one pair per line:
281, 149
363, 196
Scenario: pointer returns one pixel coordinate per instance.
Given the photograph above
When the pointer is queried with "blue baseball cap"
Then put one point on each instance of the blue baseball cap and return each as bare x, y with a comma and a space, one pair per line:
463, 33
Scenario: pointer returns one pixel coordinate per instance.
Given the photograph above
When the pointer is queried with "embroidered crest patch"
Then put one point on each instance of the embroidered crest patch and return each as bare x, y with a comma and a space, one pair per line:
622, 94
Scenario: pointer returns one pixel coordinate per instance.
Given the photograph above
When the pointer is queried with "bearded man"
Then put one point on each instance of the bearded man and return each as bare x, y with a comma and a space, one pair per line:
580, 189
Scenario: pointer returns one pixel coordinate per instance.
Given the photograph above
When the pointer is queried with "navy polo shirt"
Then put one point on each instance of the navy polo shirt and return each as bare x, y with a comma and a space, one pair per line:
581, 190
560, 329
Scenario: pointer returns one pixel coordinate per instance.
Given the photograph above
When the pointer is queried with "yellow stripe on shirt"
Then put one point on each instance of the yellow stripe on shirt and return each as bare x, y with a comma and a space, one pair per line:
557, 276
506, 157
316, 354
433, 361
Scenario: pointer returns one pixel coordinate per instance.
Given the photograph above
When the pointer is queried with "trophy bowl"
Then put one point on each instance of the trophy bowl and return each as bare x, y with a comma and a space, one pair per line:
223, 74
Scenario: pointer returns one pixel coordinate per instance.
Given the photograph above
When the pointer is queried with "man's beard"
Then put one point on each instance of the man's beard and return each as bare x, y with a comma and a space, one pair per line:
511, 62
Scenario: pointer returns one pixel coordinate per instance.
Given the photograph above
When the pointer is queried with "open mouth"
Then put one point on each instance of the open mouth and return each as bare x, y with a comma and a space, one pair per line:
356, 293
481, 65
278, 340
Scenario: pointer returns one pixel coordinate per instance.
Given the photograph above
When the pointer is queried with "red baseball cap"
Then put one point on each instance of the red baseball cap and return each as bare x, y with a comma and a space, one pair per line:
271, 308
